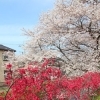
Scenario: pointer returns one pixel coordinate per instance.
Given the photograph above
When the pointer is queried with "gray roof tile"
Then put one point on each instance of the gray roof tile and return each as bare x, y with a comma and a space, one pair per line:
2, 47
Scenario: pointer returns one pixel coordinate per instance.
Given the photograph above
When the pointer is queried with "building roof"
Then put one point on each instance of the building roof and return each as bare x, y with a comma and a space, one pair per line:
2, 47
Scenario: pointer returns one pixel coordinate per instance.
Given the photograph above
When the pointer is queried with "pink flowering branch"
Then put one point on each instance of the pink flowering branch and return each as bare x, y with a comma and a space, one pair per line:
45, 82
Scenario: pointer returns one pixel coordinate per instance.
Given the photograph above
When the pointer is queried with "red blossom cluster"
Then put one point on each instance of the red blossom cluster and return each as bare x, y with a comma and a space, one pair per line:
45, 82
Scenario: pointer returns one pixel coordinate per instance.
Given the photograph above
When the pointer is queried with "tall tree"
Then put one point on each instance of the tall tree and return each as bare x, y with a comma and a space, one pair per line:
71, 33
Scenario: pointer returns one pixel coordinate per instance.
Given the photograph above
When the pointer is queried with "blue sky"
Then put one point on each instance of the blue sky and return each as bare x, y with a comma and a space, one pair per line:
18, 14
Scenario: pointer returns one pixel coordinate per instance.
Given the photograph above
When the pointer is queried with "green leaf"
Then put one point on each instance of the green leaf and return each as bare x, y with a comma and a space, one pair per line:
96, 97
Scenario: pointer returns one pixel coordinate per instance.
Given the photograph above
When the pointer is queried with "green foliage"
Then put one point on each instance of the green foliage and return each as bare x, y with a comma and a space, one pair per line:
3, 91
96, 97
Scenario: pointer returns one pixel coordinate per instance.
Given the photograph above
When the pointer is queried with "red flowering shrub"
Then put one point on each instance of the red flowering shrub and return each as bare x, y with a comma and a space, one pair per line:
44, 82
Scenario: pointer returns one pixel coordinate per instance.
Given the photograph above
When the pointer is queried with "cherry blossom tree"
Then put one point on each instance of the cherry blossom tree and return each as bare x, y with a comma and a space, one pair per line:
70, 32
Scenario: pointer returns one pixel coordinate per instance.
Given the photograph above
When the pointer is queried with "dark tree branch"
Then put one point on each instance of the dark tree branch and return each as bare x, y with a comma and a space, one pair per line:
97, 41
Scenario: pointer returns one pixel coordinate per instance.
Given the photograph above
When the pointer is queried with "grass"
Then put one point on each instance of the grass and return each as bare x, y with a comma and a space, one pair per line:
3, 88
96, 97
